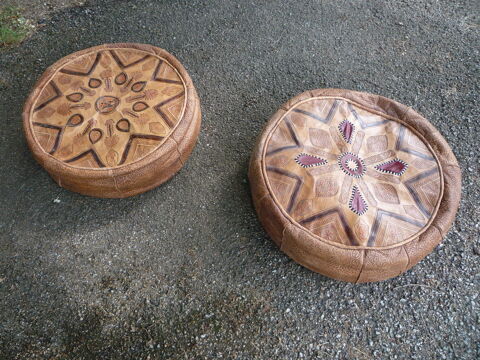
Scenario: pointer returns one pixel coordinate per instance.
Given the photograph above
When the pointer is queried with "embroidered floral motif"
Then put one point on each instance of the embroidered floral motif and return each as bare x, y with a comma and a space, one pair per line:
354, 166
366, 194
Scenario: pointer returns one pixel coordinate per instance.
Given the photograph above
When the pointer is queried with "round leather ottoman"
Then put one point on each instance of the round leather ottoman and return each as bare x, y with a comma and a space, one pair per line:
114, 120
352, 185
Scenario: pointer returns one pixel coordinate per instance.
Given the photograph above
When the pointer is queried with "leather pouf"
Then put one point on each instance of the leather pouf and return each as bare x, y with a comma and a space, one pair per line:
114, 120
354, 186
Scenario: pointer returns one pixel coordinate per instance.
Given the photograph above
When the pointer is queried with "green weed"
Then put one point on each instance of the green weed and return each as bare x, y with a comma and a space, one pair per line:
14, 28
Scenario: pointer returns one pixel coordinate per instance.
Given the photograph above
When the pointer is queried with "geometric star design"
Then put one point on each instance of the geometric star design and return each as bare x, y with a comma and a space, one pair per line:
108, 108
351, 176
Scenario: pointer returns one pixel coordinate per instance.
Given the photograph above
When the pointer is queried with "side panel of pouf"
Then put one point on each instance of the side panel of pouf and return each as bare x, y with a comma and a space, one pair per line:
101, 186
451, 198
152, 174
383, 264
335, 262
271, 218
186, 133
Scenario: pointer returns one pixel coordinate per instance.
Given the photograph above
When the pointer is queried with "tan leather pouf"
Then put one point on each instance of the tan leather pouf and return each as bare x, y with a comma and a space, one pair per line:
354, 186
114, 120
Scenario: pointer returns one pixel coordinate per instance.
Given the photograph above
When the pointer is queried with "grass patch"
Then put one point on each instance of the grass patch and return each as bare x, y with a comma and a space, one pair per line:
14, 28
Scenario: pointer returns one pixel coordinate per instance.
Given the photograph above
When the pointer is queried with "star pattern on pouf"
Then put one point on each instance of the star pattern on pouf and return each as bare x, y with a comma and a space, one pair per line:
330, 164
108, 108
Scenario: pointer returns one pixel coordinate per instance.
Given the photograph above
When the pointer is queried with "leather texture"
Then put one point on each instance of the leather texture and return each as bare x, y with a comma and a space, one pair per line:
352, 185
114, 120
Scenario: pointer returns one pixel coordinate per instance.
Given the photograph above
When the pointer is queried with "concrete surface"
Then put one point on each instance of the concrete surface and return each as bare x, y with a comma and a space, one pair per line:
186, 271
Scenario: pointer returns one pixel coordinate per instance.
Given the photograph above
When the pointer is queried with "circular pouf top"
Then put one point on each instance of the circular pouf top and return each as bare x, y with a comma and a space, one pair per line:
114, 120
352, 185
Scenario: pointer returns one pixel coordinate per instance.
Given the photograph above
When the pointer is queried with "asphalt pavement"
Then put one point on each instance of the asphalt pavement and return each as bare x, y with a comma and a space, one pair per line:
186, 271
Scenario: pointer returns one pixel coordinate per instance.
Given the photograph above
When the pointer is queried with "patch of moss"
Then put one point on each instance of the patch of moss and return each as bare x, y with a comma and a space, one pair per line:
14, 28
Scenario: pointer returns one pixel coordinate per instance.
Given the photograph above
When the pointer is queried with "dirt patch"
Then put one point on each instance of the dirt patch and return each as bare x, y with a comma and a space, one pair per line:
38, 11
20, 18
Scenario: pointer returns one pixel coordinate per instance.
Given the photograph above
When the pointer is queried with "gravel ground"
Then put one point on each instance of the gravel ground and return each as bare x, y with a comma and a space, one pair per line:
186, 271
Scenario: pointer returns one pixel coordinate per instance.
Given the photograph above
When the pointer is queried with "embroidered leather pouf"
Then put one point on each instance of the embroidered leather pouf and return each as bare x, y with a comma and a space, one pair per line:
113, 120
354, 186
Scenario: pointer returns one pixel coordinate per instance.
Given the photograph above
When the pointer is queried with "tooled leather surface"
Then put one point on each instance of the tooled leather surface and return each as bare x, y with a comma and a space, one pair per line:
351, 176
108, 108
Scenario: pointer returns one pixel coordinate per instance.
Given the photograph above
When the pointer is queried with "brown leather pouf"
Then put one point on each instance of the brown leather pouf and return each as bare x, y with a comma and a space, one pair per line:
114, 120
354, 186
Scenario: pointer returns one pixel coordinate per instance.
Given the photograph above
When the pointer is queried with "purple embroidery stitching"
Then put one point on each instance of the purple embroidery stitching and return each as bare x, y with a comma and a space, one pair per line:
306, 160
346, 129
357, 204
394, 167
